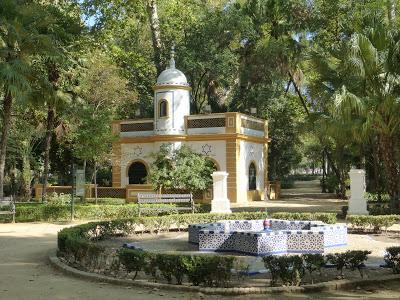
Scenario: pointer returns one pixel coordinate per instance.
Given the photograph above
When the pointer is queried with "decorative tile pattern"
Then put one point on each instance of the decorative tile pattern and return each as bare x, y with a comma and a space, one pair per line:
285, 236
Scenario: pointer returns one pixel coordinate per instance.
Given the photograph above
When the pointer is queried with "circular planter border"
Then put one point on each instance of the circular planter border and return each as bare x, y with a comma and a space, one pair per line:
323, 286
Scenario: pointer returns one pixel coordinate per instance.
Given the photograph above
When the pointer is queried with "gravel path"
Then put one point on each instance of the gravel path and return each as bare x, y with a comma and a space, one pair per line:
306, 196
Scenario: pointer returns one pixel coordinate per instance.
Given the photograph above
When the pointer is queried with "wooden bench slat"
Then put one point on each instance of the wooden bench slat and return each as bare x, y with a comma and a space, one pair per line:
162, 201
165, 208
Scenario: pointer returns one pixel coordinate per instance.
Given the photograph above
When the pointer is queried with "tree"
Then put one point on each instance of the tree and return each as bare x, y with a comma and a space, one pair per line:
373, 60
23, 35
57, 66
180, 169
102, 92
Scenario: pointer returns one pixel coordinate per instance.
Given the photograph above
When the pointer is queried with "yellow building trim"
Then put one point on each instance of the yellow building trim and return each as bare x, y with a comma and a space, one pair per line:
199, 137
232, 156
116, 164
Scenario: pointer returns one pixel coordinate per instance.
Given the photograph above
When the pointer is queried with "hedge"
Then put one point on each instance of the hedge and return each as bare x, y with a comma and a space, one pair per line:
209, 270
51, 212
374, 223
99, 230
78, 242
328, 218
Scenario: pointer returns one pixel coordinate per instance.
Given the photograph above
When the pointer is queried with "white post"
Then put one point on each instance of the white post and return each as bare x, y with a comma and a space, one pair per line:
357, 202
220, 202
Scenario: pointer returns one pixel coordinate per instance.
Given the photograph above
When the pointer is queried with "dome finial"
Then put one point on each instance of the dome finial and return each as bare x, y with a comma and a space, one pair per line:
172, 59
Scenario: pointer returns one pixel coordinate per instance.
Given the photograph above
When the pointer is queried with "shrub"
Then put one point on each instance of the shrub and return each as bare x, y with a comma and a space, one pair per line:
59, 199
374, 197
312, 263
289, 269
287, 183
392, 258
356, 260
272, 265
108, 201
132, 260
339, 260
375, 223
171, 265
352, 259
328, 218
209, 270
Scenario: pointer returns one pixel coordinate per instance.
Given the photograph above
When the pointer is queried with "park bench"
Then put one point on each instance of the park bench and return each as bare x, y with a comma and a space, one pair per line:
11, 208
165, 199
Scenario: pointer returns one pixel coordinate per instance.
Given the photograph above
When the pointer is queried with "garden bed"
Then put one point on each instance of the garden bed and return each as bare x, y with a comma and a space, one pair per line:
168, 258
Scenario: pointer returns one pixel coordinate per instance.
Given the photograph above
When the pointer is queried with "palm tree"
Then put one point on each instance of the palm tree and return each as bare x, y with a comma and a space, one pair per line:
373, 58
23, 36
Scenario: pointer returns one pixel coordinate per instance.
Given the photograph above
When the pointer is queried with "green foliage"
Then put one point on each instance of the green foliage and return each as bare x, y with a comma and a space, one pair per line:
180, 169
312, 263
374, 223
60, 212
108, 201
392, 258
352, 259
356, 260
171, 265
133, 260
289, 269
328, 218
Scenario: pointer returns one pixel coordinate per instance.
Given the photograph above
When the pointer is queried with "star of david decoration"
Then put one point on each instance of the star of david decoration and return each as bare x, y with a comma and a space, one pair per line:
206, 149
252, 151
138, 151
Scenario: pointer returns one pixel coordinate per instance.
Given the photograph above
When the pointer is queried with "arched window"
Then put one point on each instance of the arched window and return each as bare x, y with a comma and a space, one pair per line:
252, 177
137, 173
163, 108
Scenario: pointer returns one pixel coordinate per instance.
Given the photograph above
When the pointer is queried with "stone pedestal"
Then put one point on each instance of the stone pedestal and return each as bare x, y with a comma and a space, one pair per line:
357, 202
220, 203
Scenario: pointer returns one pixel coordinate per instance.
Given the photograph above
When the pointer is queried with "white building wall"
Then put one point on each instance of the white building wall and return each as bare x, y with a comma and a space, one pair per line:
250, 152
213, 149
178, 108
131, 152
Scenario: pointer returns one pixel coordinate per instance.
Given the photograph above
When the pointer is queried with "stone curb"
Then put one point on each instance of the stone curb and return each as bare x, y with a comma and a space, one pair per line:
318, 287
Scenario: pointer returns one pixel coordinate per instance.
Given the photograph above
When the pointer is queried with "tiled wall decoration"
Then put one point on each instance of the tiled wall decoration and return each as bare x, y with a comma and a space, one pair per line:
283, 237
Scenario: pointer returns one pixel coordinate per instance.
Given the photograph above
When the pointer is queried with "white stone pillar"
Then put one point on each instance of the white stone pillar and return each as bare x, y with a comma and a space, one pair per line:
357, 202
220, 202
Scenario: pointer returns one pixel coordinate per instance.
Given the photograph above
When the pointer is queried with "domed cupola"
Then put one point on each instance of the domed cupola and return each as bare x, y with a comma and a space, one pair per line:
171, 100
172, 76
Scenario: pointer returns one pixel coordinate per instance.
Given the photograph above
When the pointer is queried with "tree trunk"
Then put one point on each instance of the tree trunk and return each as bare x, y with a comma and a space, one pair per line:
388, 151
323, 173
391, 11
7, 107
155, 34
95, 182
26, 175
377, 178
49, 133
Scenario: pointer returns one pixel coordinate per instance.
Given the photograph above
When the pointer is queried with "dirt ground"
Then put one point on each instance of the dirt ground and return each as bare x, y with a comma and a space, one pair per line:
26, 274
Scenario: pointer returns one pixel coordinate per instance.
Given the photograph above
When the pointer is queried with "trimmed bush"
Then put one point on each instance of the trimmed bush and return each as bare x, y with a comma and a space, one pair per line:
352, 259
328, 218
392, 259
132, 260
374, 223
289, 269
108, 201
200, 269
312, 263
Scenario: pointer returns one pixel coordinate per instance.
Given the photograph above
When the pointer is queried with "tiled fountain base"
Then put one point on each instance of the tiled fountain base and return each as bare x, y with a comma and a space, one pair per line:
249, 237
